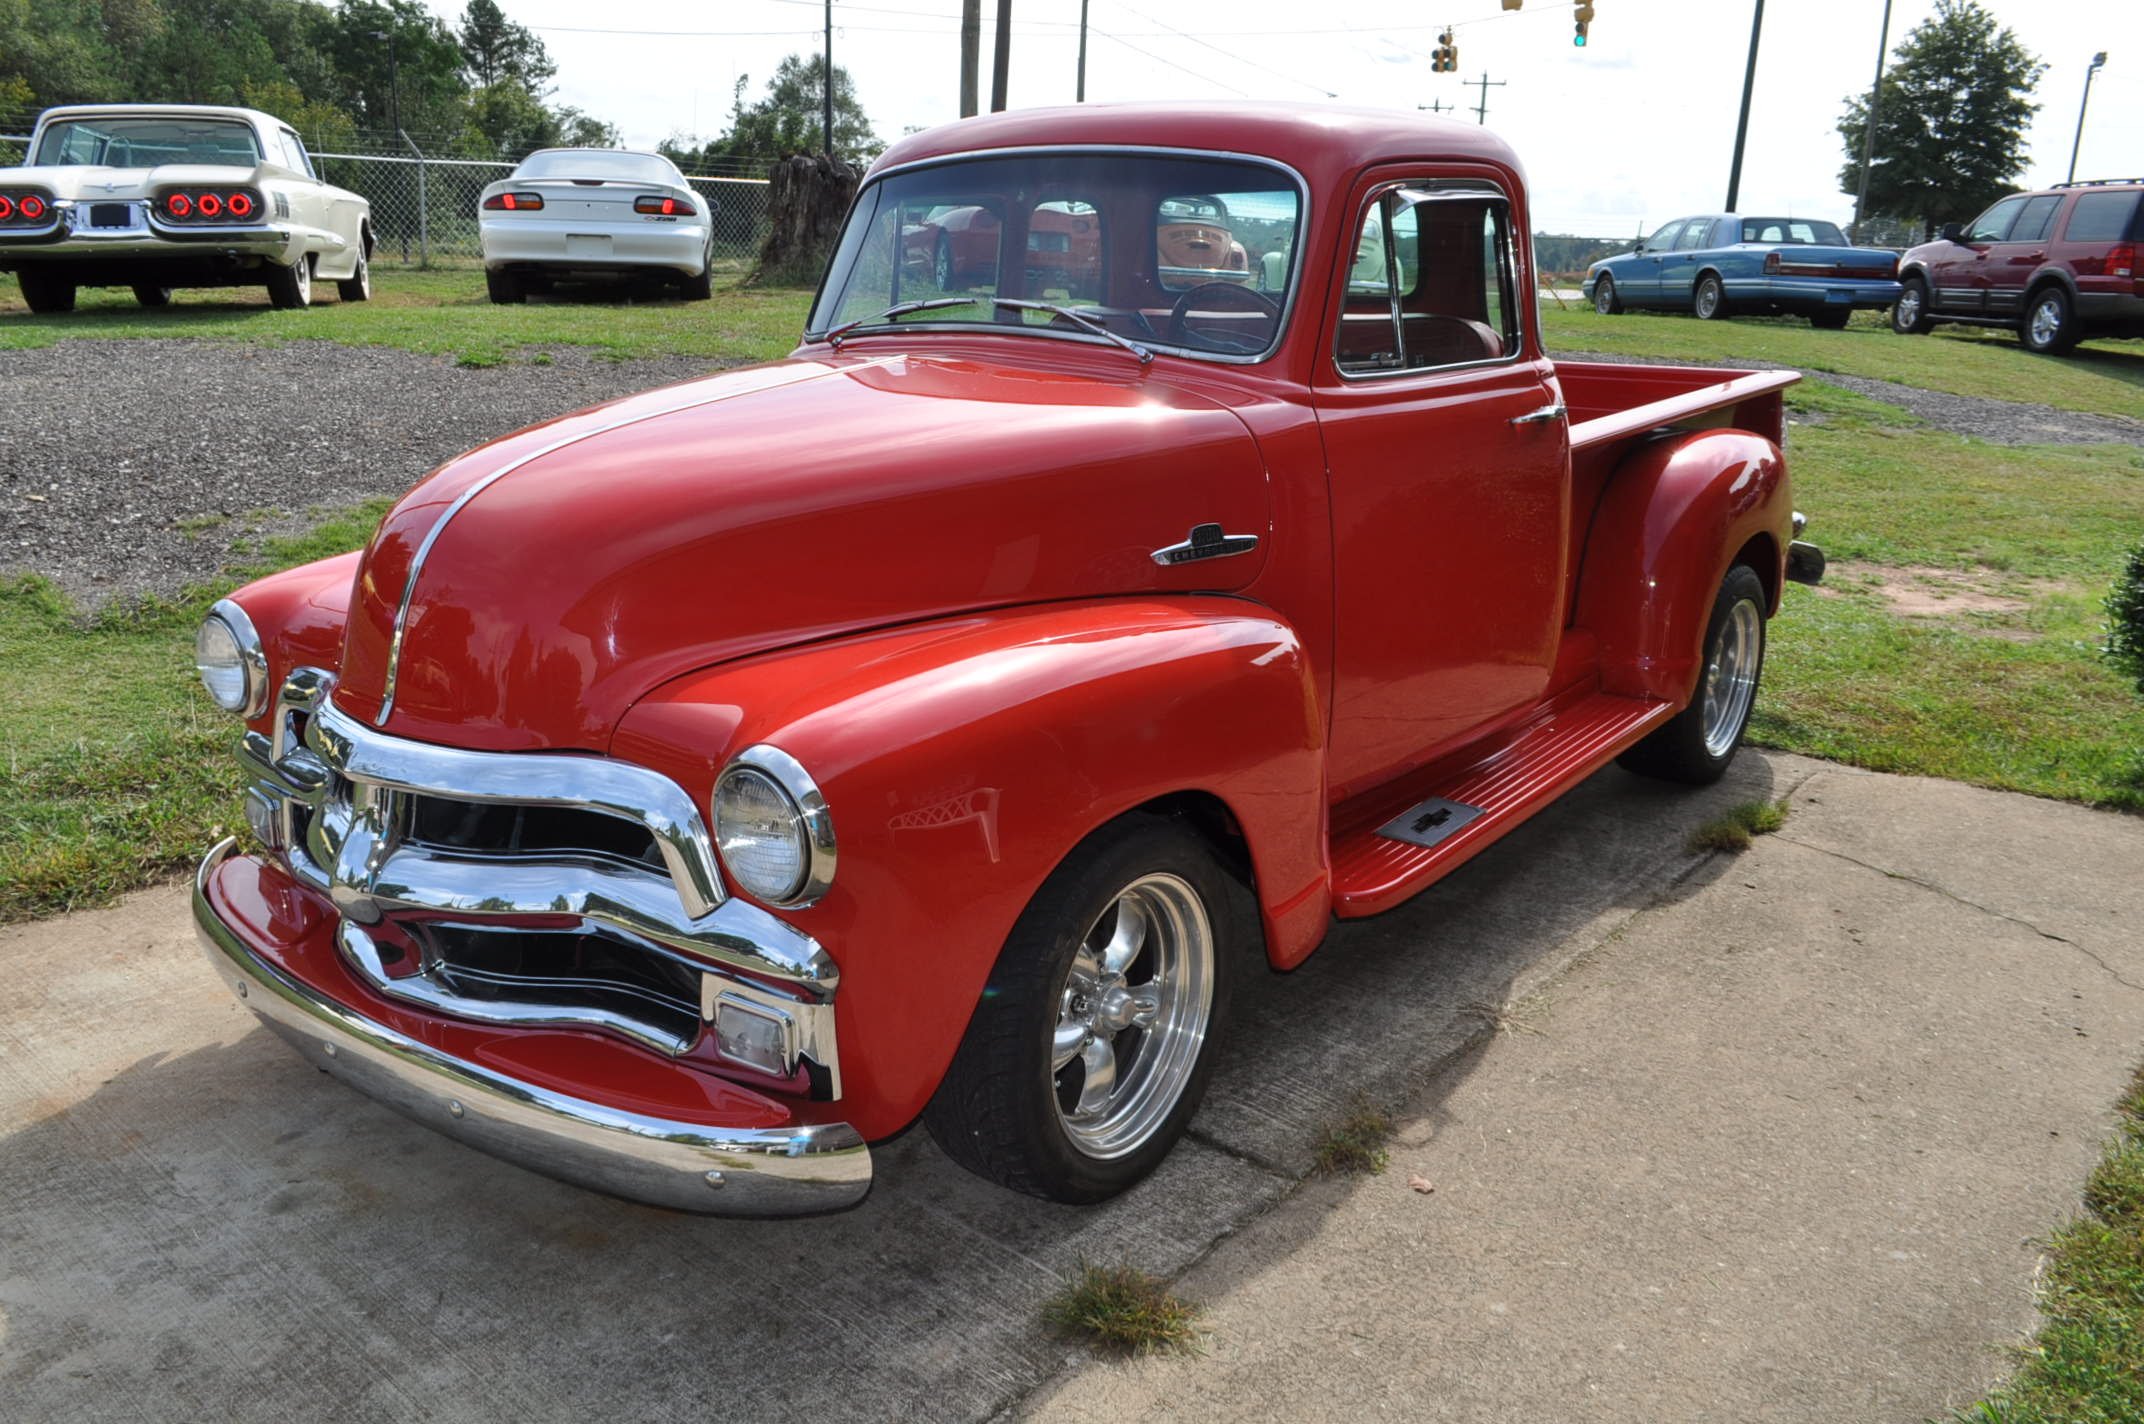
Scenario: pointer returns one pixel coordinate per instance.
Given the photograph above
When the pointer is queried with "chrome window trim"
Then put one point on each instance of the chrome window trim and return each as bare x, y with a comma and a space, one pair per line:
1295, 269
821, 850
1519, 309
251, 652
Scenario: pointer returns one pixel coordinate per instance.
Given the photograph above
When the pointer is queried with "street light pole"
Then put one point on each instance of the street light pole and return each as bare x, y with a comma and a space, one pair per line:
2098, 60
1079, 93
1868, 133
1749, 83
828, 131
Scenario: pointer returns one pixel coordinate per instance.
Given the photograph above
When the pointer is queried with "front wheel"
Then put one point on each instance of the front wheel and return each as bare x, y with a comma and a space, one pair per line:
1697, 745
45, 295
1909, 314
291, 287
1709, 300
1091, 1047
1605, 301
2050, 328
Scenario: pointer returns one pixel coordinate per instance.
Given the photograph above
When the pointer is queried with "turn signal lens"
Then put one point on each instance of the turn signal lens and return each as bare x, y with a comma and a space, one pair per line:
7, 209
515, 202
665, 207
240, 205
32, 207
210, 205
179, 205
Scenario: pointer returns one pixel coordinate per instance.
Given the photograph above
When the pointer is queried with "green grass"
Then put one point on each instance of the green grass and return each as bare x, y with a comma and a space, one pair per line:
2105, 377
1124, 1310
438, 312
1355, 1145
115, 768
1733, 828
2086, 1366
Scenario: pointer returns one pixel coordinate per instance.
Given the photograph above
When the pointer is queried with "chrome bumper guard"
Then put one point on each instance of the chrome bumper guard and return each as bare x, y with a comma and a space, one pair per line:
683, 1165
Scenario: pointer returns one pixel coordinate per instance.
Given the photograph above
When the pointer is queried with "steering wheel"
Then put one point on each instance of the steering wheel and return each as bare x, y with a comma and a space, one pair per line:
1232, 340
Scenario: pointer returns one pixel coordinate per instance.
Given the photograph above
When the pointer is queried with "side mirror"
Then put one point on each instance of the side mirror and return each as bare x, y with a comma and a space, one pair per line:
1951, 232
1638, 251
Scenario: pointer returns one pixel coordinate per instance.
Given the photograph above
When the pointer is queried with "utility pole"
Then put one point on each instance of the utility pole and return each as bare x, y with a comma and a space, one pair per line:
971, 59
1079, 92
1435, 106
1001, 62
828, 132
1749, 82
1485, 84
2097, 61
1868, 136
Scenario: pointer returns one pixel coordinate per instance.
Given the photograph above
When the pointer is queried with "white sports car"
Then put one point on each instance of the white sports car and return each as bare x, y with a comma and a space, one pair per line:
589, 212
157, 196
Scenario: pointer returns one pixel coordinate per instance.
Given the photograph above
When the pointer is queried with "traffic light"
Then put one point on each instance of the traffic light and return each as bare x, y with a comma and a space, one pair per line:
1584, 15
1444, 59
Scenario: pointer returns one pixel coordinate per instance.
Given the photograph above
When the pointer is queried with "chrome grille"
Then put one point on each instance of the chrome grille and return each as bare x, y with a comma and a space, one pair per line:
539, 888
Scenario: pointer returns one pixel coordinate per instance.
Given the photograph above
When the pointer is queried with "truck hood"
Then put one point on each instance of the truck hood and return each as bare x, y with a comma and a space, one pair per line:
563, 572
90, 183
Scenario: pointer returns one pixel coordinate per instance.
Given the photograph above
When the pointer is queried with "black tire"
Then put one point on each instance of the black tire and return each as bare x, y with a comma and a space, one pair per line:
153, 296
1000, 1110
45, 295
1830, 320
505, 288
942, 265
291, 288
1678, 750
701, 287
1909, 314
357, 287
1605, 300
2050, 324
1709, 299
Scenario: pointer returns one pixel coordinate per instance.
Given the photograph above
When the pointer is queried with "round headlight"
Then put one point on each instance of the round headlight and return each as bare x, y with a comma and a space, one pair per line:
228, 655
773, 829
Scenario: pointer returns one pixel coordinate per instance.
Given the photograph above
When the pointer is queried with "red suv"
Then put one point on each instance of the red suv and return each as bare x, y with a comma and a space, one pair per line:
2058, 265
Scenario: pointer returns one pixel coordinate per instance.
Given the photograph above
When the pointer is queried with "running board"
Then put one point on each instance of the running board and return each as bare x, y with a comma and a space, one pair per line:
1401, 844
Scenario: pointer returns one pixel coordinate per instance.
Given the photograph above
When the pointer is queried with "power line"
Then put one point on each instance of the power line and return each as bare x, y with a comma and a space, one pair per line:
1252, 63
1182, 69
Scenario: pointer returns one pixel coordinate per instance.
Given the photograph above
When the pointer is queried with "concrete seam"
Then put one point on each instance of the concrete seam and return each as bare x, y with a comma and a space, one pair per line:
1248, 1159
1956, 898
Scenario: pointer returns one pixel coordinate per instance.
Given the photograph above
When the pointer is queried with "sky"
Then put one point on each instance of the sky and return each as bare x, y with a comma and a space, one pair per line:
1633, 129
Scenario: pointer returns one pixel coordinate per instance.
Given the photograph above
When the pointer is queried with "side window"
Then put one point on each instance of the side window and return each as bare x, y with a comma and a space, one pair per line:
1693, 235
1431, 284
2100, 217
2033, 220
1664, 239
1992, 225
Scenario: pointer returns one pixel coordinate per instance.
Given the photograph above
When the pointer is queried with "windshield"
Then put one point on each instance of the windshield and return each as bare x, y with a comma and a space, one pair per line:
594, 163
1792, 232
146, 141
1195, 254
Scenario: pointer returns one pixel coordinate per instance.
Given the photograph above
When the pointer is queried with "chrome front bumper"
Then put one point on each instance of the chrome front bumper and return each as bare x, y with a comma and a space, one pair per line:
687, 1166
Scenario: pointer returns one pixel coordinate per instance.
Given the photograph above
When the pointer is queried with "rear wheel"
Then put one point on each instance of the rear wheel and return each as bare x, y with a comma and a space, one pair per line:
1091, 1047
291, 287
505, 288
1909, 314
153, 296
357, 287
1830, 320
44, 294
1605, 301
2050, 327
1709, 299
942, 263
700, 287
1697, 745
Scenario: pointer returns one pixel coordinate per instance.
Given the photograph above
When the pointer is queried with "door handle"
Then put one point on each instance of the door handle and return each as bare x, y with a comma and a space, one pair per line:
1542, 416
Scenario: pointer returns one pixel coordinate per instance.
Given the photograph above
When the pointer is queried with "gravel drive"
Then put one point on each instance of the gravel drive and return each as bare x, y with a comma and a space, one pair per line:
1998, 422
137, 467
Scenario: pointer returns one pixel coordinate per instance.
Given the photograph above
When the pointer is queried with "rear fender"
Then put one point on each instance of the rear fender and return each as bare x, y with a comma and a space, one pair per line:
1677, 511
962, 760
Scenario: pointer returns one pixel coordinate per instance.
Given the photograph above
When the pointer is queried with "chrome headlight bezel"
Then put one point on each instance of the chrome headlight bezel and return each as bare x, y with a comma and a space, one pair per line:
249, 657
812, 824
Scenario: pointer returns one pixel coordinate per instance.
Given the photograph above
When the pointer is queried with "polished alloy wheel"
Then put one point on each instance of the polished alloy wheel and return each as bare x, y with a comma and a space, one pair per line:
2046, 321
1604, 297
1132, 1016
1909, 305
1708, 299
1731, 676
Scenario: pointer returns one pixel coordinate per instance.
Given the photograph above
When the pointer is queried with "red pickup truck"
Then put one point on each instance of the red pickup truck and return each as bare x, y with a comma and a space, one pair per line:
681, 795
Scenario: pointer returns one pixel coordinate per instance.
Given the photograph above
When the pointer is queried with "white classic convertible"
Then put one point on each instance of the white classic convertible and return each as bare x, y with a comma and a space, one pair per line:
157, 196
595, 212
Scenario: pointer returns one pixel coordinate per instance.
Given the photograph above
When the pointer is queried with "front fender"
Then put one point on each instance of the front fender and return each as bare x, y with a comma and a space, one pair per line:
961, 761
1676, 513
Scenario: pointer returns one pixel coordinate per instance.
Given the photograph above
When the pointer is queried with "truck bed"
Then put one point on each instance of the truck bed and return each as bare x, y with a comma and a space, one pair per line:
1610, 401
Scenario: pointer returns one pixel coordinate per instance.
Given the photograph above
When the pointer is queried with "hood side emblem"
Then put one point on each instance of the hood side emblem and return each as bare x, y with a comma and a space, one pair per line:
1206, 542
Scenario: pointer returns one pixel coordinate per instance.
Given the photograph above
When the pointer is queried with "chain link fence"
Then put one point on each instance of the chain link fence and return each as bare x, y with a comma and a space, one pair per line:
424, 209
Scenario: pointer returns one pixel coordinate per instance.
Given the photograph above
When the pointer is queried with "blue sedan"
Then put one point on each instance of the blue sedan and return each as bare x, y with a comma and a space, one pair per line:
1722, 264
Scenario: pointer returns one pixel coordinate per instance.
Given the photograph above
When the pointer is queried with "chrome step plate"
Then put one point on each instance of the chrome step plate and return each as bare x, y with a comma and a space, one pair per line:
1429, 822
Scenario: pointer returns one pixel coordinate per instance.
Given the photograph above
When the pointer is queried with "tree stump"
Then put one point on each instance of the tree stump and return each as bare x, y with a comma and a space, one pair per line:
807, 197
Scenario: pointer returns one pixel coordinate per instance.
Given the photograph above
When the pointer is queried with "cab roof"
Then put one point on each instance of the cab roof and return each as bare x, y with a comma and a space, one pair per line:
1316, 140
130, 111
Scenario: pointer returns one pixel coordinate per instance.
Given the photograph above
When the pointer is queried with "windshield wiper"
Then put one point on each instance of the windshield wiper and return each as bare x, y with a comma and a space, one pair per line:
899, 309
1084, 323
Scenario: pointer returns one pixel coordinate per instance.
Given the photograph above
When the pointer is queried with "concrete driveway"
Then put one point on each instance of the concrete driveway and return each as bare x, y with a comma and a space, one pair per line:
195, 1225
